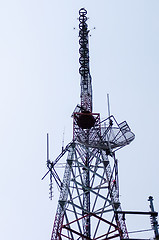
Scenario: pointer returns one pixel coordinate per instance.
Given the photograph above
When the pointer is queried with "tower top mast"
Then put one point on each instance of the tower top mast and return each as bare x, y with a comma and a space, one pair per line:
86, 86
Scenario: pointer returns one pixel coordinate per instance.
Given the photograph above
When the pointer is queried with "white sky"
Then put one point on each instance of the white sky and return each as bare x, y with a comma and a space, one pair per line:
39, 89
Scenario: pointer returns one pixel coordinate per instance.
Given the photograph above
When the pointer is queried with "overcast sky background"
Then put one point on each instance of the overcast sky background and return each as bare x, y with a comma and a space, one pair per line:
40, 87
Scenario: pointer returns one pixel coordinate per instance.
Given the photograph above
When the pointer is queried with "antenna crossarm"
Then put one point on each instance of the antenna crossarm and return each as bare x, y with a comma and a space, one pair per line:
51, 164
62, 153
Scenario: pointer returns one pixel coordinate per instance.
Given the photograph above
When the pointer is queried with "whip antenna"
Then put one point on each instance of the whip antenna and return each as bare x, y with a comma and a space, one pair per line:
108, 104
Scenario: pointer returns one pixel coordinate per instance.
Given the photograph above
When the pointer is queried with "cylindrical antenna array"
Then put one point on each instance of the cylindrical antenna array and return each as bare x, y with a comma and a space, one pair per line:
83, 41
86, 87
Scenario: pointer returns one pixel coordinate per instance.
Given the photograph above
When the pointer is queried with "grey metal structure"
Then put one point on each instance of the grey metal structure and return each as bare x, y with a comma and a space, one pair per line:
89, 191
153, 218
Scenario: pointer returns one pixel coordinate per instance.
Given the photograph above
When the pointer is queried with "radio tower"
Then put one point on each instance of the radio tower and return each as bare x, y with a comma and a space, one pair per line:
89, 205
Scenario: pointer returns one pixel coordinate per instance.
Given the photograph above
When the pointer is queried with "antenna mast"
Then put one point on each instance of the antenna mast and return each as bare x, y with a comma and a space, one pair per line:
89, 191
86, 86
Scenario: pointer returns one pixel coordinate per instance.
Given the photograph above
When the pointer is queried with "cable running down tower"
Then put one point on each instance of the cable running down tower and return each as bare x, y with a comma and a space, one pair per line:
89, 190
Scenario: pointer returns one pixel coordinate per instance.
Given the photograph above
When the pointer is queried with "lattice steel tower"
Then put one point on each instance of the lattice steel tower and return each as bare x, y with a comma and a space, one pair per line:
89, 191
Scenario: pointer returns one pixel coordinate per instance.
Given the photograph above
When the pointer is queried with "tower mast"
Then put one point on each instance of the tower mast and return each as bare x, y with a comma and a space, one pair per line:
89, 190
86, 107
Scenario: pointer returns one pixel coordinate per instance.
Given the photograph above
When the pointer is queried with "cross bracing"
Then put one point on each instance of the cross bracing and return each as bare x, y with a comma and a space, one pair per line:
89, 190
103, 195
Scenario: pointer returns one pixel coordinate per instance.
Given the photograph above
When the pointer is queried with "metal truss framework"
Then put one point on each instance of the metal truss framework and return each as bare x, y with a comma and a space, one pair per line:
89, 194
89, 191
